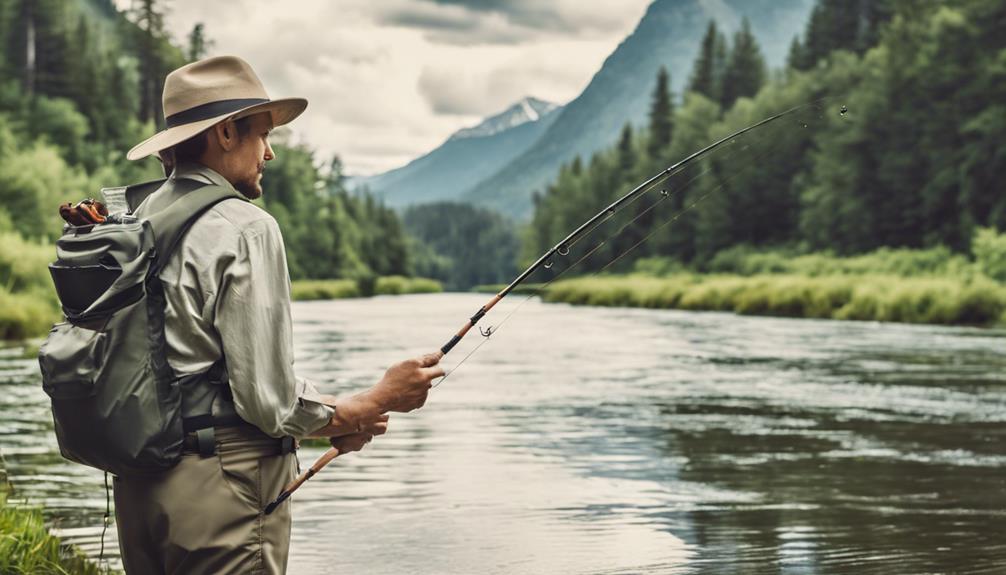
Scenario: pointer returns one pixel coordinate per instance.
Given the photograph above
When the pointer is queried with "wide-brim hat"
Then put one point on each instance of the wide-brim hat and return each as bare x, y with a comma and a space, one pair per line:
201, 94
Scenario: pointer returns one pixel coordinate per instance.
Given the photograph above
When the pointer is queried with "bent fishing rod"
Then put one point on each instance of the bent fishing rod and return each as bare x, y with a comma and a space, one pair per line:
562, 249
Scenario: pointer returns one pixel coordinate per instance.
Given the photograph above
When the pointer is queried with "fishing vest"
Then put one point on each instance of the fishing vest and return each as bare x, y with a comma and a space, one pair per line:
116, 403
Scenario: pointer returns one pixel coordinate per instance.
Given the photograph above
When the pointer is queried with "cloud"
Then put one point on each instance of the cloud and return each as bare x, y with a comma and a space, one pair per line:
390, 80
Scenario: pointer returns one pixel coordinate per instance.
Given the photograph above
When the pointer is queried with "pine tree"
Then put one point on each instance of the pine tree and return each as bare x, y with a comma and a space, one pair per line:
149, 19
707, 69
626, 153
796, 59
198, 44
661, 115
746, 70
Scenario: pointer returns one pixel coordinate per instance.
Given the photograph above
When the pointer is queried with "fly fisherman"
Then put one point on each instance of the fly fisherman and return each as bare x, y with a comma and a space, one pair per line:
227, 303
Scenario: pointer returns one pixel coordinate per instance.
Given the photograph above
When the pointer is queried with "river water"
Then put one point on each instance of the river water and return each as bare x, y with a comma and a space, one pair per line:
586, 440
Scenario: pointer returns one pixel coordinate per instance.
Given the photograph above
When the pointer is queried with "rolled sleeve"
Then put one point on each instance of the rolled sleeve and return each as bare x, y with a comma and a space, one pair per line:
253, 319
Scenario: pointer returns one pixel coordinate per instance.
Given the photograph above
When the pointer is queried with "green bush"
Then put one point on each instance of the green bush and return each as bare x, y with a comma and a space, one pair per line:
658, 267
346, 288
989, 249
24, 264
976, 301
303, 290
901, 262
397, 285
27, 314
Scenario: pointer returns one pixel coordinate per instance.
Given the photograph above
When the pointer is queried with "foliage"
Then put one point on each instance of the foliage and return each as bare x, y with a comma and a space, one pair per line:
747, 261
398, 285
461, 245
745, 70
989, 249
330, 233
866, 297
27, 547
345, 288
94, 92
916, 162
323, 289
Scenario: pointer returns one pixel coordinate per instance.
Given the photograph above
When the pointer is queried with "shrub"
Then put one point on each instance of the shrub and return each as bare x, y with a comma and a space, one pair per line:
396, 285
25, 315
303, 290
989, 249
977, 301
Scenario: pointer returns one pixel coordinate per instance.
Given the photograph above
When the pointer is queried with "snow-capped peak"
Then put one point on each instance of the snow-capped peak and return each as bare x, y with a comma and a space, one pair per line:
527, 110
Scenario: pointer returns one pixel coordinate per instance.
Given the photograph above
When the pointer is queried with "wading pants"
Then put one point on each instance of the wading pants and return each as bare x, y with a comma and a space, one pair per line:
205, 514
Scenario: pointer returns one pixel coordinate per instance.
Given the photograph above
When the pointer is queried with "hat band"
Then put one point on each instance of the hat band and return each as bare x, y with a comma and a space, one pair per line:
211, 110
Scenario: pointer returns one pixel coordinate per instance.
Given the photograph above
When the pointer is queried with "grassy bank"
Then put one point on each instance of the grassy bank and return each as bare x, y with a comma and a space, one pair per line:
934, 285
496, 288
968, 301
304, 290
27, 547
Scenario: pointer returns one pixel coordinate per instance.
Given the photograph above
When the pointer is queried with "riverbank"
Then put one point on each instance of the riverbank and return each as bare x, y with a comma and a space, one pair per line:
27, 547
972, 300
28, 314
306, 290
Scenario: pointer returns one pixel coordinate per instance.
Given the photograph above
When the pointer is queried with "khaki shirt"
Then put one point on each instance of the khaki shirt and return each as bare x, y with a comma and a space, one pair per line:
228, 292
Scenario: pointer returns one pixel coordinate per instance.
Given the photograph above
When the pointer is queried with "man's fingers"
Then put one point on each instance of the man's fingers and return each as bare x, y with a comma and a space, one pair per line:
431, 359
430, 373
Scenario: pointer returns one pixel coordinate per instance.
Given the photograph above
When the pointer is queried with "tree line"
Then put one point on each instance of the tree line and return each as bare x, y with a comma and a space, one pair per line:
916, 162
81, 83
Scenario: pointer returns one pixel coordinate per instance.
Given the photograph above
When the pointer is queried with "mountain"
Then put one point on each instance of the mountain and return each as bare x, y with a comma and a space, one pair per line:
467, 157
668, 35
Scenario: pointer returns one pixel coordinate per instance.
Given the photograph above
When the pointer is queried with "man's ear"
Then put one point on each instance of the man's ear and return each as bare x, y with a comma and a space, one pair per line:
226, 135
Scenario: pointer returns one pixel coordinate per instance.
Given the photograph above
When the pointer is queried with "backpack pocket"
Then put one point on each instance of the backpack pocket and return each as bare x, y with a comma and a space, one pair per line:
71, 359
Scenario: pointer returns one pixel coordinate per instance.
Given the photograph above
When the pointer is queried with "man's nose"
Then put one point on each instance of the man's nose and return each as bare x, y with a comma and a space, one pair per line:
269, 154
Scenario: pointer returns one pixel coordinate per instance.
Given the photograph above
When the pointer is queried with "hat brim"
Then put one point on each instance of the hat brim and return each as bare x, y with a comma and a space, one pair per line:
283, 111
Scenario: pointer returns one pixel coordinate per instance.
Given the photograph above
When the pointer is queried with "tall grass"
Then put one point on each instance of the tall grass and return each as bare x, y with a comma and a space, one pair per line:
973, 301
27, 547
901, 262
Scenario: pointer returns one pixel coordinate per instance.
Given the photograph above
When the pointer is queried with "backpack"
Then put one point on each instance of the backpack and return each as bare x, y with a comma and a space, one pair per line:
116, 403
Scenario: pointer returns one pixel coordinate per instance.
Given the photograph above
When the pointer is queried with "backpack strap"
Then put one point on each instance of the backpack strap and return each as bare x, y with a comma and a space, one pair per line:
170, 223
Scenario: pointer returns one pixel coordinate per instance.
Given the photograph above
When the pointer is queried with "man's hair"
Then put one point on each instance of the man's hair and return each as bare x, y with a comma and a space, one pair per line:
192, 149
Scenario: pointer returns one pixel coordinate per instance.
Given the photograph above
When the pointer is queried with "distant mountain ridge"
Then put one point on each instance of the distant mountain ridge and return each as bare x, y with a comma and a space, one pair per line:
668, 35
467, 157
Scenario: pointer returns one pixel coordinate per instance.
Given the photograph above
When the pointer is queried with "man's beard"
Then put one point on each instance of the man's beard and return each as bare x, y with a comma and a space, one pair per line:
250, 187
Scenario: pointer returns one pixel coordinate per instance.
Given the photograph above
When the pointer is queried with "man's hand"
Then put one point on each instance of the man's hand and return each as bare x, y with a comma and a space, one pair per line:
356, 441
351, 442
406, 385
352, 416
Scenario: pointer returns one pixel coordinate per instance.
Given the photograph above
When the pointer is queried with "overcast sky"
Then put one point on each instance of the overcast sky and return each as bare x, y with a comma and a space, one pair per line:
389, 80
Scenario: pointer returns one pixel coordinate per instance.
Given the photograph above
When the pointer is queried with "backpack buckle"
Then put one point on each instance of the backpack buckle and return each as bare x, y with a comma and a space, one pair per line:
206, 442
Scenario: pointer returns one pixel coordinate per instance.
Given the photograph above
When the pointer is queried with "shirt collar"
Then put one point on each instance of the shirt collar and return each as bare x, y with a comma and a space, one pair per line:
199, 172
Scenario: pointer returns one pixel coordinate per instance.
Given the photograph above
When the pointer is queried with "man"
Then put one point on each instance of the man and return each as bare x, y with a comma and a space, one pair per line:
228, 298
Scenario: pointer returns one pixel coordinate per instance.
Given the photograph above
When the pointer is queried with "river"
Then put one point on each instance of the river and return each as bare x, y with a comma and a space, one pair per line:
602, 440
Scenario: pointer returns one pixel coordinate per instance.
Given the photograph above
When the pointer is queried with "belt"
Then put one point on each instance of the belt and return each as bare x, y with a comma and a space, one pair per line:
203, 442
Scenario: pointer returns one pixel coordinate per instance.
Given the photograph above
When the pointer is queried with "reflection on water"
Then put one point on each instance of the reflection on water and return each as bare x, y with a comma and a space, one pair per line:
583, 440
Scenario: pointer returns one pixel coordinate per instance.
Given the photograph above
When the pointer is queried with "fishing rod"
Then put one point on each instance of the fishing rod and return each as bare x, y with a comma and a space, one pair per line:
561, 248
